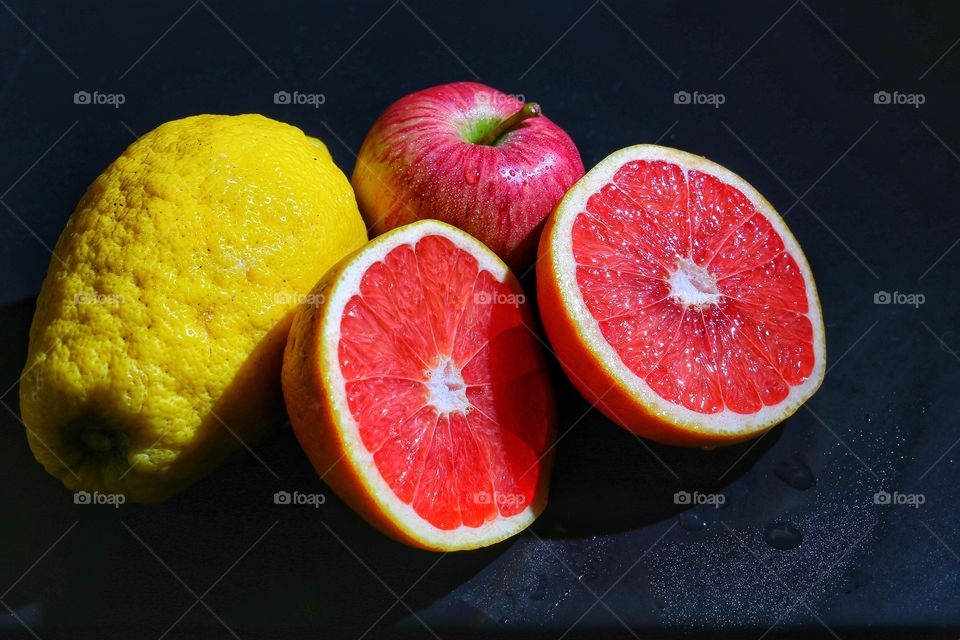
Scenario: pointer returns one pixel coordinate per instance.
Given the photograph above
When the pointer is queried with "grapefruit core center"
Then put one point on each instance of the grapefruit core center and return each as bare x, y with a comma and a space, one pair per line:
693, 286
446, 390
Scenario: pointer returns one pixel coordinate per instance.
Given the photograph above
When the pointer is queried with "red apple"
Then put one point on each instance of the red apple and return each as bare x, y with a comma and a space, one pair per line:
470, 156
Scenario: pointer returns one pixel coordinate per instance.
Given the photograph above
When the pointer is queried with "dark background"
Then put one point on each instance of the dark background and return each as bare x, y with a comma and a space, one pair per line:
869, 189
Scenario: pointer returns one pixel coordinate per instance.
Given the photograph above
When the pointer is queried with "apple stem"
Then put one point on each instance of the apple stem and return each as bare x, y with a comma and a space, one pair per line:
529, 110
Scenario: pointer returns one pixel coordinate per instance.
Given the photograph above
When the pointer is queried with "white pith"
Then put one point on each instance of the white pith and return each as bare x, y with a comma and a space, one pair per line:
402, 514
725, 422
692, 286
446, 389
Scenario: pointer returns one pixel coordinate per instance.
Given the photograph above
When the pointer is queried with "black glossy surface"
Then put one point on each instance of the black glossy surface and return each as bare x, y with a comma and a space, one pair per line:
878, 212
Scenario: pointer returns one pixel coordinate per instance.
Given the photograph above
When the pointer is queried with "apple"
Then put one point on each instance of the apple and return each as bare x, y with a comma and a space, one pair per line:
471, 156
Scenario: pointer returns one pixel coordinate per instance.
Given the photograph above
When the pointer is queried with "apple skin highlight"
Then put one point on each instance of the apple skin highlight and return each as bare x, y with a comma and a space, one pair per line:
424, 157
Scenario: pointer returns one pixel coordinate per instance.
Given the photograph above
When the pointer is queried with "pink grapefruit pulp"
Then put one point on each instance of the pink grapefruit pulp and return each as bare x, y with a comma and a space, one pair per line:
419, 393
678, 301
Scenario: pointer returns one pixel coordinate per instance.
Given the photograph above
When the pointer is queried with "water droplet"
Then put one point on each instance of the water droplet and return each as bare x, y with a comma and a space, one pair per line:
691, 521
796, 474
471, 170
783, 536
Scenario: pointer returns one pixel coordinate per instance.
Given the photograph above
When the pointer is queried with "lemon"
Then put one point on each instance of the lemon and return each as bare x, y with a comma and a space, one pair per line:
156, 347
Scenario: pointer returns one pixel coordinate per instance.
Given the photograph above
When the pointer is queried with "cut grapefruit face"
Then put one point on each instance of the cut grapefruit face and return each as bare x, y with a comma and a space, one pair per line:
418, 391
678, 301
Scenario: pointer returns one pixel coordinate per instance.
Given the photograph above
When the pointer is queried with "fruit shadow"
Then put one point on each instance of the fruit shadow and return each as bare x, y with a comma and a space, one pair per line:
606, 479
321, 566
302, 566
328, 567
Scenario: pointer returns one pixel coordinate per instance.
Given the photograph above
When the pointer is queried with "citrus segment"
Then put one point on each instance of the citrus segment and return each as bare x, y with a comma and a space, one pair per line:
677, 299
419, 370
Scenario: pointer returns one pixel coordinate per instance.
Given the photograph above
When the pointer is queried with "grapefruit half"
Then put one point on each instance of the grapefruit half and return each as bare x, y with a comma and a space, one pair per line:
419, 393
677, 300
